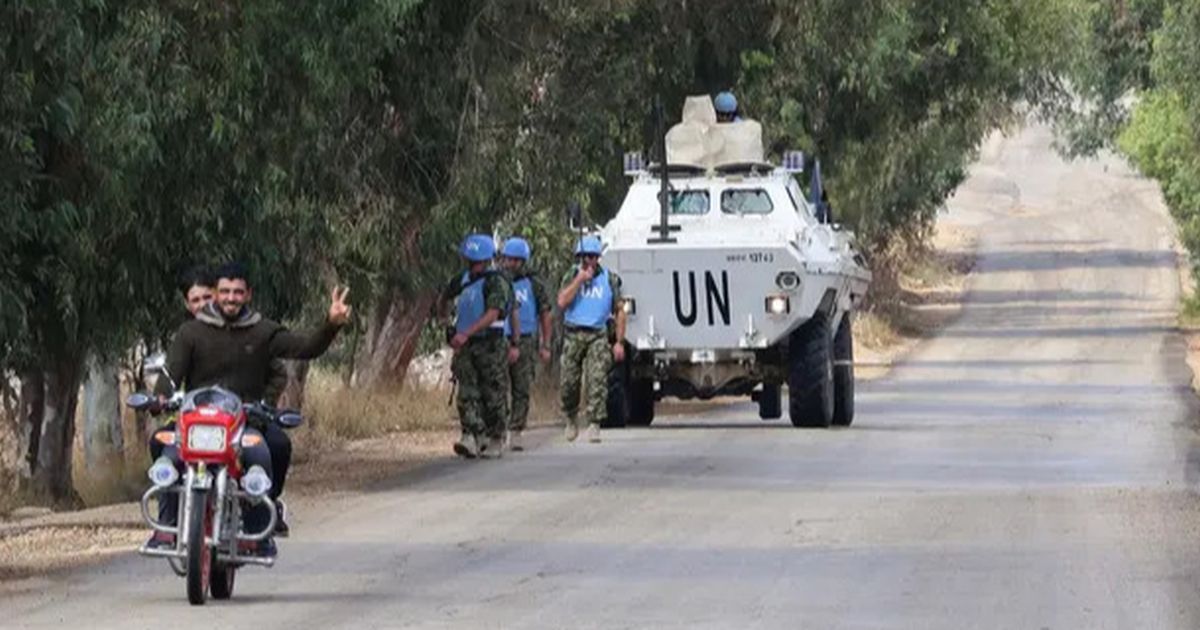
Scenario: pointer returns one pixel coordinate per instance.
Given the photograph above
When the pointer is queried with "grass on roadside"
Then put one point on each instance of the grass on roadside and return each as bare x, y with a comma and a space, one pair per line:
916, 289
1189, 313
335, 414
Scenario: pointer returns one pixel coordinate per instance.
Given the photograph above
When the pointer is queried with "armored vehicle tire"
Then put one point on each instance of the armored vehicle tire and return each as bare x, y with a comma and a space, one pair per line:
640, 402
843, 374
770, 401
630, 401
810, 374
618, 402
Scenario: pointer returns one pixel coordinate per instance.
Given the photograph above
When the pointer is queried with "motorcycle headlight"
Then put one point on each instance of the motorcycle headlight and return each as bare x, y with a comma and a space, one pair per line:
255, 482
206, 438
163, 473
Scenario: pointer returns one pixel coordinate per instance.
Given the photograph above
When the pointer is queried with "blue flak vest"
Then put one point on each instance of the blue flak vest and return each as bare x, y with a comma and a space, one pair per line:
593, 304
527, 307
472, 306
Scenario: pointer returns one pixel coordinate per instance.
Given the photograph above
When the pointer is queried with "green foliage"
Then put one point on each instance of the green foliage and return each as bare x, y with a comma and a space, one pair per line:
1108, 60
895, 96
359, 139
1163, 135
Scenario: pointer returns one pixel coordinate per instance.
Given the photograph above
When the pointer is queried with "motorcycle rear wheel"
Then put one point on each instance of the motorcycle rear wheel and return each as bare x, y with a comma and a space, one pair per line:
199, 556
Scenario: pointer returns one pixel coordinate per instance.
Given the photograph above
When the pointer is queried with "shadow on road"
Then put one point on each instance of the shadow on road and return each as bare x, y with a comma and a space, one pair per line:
1057, 260
1149, 330
990, 296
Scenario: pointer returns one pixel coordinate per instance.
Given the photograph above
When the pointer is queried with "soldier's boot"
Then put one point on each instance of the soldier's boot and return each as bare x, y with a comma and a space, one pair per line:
493, 447
467, 446
571, 431
593, 433
514, 441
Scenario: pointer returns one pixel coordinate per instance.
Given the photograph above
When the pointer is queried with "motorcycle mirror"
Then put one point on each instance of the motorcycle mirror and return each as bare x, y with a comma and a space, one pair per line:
154, 363
290, 419
139, 401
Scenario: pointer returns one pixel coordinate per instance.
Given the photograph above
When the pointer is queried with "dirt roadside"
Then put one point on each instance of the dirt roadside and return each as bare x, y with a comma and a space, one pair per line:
37, 543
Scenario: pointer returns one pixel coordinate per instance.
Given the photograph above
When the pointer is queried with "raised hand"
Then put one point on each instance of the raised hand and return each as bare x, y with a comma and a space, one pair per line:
339, 311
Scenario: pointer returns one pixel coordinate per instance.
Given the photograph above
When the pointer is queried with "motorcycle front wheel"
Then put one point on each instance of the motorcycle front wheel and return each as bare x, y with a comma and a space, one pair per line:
222, 580
199, 556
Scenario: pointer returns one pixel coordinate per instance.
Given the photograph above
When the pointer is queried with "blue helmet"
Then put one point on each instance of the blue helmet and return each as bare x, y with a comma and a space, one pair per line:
726, 103
589, 245
516, 247
478, 247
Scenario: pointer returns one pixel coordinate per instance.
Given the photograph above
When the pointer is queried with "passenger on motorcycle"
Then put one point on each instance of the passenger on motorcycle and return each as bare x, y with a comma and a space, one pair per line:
231, 345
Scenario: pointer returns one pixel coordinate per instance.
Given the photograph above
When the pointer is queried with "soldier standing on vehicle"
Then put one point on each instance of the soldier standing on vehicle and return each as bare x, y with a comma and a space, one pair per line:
483, 298
726, 105
590, 299
530, 331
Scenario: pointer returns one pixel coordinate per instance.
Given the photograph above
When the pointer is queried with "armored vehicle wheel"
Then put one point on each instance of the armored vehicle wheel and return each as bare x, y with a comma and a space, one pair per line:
630, 400
640, 397
810, 374
618, 401
843, 374
770, 401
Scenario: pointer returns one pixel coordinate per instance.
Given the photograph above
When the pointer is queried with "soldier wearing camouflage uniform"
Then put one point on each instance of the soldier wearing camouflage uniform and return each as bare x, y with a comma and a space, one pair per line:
530, 328
482, 298
590, 297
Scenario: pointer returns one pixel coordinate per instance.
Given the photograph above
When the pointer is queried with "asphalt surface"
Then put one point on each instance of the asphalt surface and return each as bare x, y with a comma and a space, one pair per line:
1032, 467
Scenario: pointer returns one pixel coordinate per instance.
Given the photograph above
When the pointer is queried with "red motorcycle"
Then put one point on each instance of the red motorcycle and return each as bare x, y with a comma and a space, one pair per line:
216, 489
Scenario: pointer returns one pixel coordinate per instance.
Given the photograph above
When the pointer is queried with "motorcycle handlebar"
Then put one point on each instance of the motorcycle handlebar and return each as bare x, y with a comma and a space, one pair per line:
286, 418
140, 401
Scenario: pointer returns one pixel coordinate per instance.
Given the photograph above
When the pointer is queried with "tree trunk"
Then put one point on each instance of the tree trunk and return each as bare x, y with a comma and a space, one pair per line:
293, 393
103, 440
392, 340
32, 410
52, 476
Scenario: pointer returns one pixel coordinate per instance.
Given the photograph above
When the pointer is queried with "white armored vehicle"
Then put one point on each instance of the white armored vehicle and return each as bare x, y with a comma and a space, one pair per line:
736, 285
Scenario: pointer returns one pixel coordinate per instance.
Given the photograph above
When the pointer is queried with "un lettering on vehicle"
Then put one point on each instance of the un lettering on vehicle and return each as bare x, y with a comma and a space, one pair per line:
690, 285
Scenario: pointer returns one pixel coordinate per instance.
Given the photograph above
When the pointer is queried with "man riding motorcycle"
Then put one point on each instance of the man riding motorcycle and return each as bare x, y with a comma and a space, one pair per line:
231, 345
198, 288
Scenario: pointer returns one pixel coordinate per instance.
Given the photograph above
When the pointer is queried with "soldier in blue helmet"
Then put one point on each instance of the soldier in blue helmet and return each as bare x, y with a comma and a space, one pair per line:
726, 105
530, 330
482, 297
590, 299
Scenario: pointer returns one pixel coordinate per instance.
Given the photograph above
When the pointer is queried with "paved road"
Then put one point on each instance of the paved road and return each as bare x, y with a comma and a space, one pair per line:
1033, 467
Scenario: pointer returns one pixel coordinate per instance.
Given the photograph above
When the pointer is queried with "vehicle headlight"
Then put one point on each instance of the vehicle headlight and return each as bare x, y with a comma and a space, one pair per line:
163, 473
206, 438
788, 280
255, 482
778, 305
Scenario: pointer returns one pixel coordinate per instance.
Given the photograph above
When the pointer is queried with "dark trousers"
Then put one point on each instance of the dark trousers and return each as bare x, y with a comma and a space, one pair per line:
254, 517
